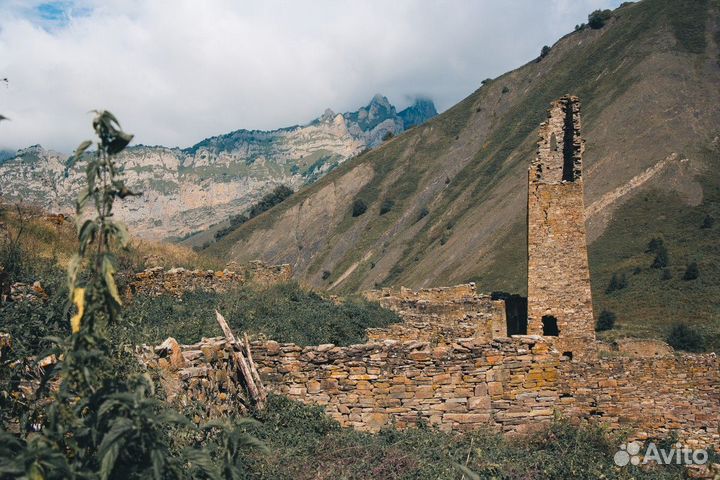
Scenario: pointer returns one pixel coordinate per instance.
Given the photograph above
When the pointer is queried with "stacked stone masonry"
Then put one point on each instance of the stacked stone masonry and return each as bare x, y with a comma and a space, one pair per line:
440, 315
158, 281
559, 293
512, 385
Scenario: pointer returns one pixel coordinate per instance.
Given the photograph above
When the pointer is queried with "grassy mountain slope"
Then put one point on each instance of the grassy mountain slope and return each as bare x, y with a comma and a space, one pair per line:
648, 82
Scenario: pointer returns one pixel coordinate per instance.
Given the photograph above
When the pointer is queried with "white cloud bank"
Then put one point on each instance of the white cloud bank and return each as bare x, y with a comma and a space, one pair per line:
177, 71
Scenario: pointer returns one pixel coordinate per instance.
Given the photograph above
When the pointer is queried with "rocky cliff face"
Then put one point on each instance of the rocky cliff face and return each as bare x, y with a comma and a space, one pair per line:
186, 190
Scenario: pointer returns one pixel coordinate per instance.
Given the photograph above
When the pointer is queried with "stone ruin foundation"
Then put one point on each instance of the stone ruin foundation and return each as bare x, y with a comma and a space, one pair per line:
451, 363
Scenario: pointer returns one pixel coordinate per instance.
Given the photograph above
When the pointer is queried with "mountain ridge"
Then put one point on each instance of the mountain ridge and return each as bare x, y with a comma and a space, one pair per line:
189, 189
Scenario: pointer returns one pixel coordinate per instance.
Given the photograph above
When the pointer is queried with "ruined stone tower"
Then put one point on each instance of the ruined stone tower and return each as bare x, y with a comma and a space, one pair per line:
559, 296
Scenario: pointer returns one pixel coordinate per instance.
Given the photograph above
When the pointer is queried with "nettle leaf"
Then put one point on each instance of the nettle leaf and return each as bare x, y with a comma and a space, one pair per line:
73, 268
108, 460
119, 142
108, 129
108, 274
81, 149
82, 200
87, 234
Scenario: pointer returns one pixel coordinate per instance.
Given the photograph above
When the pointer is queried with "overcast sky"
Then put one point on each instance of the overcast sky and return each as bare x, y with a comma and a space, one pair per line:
177, 71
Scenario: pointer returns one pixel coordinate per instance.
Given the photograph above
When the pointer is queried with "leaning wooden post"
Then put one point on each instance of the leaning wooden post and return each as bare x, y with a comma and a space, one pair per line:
253, 382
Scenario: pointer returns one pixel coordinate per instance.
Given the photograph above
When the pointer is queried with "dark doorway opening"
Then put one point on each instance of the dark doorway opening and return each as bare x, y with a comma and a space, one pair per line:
568, 355
550, 326
515, 312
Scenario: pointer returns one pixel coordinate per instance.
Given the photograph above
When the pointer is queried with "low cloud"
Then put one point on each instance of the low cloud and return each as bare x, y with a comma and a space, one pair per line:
177, 71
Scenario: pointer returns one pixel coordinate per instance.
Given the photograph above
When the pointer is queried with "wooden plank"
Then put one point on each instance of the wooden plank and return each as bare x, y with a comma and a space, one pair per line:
240, 359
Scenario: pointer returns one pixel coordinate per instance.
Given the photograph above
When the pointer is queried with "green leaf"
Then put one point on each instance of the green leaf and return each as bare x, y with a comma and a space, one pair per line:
73, 268
108, 460
158, 460
81, 148
87, 234
203, 462
119, 142
108, 274
82, 200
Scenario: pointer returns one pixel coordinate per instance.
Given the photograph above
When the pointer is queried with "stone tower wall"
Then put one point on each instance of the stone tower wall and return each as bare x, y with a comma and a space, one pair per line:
558, 273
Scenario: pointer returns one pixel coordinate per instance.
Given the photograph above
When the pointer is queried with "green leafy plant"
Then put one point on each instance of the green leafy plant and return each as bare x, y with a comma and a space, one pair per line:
662, 259
692, 271
598, 18
684, 337
708, 222
102, 421
617, 282
359, 207
606, 321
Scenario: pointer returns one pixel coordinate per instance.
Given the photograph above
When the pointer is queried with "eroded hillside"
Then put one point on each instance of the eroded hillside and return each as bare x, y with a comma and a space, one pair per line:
446, 200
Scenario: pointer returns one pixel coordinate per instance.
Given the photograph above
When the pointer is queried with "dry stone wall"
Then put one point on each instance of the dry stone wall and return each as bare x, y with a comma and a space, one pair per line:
513, 385
650, 396
158, 281
440, 315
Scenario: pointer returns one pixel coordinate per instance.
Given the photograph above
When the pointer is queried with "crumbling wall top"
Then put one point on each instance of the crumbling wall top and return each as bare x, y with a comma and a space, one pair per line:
560, 146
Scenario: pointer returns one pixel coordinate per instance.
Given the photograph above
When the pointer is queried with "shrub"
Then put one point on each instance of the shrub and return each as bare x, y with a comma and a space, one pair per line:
278, 195
653, 245
12, 266
422, 214
708, 222
445, 237
598, 18
387, 136
661, 258
505, 89
684, 337
544, 51
359, 207
326, 274
606, 321
616, 283
691, 272
386, 206
666, 274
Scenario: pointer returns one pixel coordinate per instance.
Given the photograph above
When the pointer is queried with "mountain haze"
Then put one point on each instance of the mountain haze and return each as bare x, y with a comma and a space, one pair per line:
456, 186
185, 190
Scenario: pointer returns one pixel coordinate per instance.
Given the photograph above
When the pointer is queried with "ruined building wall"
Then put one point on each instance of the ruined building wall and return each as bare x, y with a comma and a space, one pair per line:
558, 273
512, 385
158, 281
440, 315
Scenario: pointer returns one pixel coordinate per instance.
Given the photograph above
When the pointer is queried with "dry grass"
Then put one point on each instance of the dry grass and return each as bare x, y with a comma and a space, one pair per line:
52, 242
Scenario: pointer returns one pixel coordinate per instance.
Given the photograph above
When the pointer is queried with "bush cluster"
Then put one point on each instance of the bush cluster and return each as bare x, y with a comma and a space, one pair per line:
684, 337
606, 321
598, 18
359, 207
278, 195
